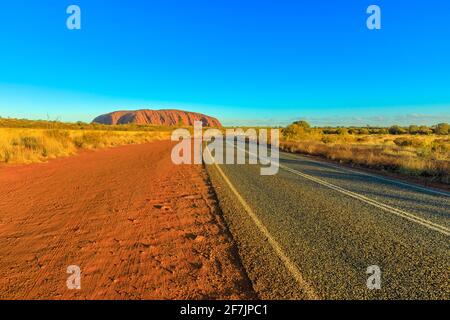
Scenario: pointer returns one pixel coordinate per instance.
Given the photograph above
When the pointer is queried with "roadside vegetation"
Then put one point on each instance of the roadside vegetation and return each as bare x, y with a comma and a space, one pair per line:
27, 141
417, 151
48, 124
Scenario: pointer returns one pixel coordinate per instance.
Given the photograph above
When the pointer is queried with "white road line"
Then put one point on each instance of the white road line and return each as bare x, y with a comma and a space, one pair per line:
406, 215
385, 207
290, 265
410, 185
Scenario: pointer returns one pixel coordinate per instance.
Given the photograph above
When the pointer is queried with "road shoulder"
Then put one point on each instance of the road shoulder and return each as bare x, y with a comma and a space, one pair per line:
267, 272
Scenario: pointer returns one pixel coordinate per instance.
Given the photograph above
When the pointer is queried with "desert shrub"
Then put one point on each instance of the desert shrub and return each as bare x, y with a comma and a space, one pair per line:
35, 145
14, 141
88, 140
424, 157
30, 143
364, 131
329, 139
442, 129
330, 131
293, 132
5, 155
362, 139
44, 124
57, 134
302, 124
441, 146
403, 142
297, 130
343, 131
413, 129
409, 141
397, 130
419, 154
425, 130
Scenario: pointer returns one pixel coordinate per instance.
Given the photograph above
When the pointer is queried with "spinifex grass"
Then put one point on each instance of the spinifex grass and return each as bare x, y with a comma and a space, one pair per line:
35, 145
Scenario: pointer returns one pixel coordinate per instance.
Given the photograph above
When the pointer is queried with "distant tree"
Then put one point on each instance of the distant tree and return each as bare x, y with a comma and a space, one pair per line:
397, 130
328, 130
442, 129
364, 131
296, 129
413, 129
303, 124
425, 130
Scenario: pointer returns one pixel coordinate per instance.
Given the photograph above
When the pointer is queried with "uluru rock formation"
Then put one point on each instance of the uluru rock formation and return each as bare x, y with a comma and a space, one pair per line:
157, 117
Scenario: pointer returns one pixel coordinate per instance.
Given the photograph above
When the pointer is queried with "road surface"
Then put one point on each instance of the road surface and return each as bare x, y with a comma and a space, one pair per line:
313, 230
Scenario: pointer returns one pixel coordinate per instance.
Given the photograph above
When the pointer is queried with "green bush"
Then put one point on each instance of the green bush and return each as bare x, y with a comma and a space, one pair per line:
363, 131
425, 130
397, 130
303, 124
403, 142
413, 129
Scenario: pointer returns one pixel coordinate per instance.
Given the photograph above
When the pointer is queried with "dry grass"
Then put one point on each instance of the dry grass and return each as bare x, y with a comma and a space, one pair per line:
47, 124
26, 145
425, 156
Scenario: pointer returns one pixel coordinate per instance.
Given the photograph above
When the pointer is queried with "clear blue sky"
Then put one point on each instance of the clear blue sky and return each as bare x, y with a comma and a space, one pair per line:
243, 61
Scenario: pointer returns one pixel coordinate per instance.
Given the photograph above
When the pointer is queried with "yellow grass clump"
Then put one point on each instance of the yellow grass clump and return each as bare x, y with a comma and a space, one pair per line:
425, 156
25, 145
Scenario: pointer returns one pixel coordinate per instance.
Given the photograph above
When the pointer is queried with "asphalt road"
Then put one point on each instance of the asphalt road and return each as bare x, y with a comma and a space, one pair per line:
312, 231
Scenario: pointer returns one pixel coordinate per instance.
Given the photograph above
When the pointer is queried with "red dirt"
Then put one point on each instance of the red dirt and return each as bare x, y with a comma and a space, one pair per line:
138, 226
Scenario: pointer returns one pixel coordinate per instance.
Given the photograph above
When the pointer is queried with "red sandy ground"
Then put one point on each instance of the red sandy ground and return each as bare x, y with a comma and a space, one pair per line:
138, 226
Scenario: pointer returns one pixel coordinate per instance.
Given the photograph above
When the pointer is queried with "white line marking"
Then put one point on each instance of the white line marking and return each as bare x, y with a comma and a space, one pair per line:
406, 215
290, 265
300, 157
385, 207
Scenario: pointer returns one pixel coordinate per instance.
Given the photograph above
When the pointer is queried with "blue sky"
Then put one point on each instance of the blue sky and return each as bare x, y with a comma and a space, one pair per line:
253, 62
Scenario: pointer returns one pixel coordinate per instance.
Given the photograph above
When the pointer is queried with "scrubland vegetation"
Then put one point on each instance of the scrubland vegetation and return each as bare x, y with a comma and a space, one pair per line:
417, 151
25, 141
46, 124
422, 152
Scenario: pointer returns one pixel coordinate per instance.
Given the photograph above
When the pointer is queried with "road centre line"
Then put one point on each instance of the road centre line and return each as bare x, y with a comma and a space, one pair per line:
406, 215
